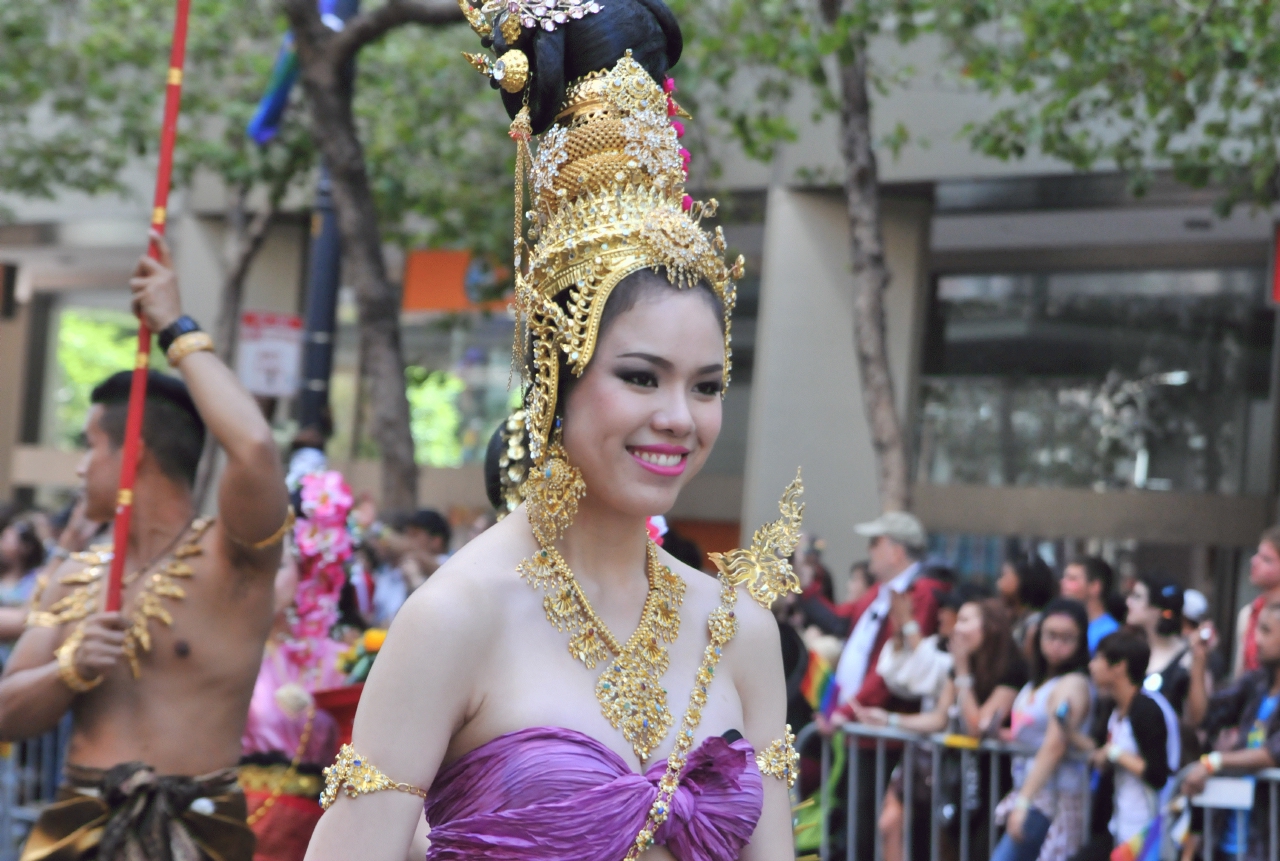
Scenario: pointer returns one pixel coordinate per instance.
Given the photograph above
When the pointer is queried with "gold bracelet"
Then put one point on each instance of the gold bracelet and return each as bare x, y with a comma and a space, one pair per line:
275, 538
353, 774
185, 345
67, 663
780, 759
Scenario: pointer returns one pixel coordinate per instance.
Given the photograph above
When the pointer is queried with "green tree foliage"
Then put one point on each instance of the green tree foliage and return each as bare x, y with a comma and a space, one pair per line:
81, 95
434, 416
435, 137
93, 344
750, 64
1139, 84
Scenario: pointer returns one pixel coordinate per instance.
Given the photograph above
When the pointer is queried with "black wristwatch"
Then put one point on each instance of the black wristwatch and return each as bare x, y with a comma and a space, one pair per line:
175, 330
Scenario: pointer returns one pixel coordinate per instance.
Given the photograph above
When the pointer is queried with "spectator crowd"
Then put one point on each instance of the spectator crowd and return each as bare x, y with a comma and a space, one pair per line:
1115, 704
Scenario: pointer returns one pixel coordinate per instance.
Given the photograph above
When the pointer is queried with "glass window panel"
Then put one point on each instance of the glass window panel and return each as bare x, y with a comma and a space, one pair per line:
1109, 379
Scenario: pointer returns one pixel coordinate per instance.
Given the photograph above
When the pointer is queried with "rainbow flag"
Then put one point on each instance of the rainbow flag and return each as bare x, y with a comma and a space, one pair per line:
818, 685
1143, 846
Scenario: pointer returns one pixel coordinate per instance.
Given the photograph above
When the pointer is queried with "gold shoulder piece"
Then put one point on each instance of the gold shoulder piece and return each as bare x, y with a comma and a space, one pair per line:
780, 759
353, 774
765, 567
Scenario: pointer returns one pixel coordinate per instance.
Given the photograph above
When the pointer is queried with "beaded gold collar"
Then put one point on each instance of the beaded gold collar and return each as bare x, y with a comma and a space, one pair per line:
163, 582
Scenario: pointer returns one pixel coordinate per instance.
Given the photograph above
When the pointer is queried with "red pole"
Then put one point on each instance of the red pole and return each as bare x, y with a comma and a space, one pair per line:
138, 390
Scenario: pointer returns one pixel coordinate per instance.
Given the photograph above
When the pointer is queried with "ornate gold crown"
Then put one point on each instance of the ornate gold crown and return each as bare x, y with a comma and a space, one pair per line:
607, 187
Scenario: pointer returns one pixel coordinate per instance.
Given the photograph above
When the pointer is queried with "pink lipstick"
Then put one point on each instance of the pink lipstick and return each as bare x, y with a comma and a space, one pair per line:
661, 459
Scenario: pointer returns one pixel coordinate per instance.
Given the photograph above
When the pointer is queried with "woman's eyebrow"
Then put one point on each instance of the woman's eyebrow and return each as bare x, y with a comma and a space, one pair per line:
662, 363
666, 365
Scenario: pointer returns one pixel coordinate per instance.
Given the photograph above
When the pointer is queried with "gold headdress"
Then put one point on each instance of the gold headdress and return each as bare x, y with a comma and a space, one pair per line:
607, 189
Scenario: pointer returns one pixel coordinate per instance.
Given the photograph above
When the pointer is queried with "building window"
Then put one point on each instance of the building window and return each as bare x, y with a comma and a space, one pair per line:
1134, 379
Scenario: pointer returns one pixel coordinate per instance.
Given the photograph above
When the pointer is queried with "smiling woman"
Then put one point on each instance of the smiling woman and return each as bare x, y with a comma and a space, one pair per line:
660, 733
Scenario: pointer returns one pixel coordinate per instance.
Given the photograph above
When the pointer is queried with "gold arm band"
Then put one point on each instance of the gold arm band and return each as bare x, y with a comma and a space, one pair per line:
42, 619
272, 540
67, 664
780, 759
354, 775
185, 345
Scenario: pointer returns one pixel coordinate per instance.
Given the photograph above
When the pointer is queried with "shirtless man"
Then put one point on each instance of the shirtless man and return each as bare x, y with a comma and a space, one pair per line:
159, 691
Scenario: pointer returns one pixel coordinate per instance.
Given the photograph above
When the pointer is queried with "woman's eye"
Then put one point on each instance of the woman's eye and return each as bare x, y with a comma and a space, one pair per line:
709, 388
646, 379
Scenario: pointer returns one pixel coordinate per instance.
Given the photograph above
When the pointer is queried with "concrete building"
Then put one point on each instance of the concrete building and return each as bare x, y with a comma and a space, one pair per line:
1078, 370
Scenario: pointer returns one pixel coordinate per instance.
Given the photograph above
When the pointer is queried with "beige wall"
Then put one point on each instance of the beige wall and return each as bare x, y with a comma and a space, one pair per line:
806, 406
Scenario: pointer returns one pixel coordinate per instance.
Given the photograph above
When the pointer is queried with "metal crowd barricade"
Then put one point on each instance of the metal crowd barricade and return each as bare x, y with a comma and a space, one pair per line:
970, 750
30, 773
1241, 812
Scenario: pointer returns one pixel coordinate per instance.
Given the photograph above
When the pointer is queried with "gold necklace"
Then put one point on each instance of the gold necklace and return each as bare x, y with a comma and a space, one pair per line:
148, 605
631, 696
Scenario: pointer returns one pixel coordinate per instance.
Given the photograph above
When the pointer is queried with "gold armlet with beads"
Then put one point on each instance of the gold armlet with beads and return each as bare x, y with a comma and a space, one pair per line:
780, 759
272, 540
67, 671
353, 774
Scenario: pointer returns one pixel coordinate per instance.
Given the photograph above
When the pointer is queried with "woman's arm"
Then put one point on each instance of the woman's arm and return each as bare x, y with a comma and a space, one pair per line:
756, 653
1074, 691
419, 693
925, 722
979, 719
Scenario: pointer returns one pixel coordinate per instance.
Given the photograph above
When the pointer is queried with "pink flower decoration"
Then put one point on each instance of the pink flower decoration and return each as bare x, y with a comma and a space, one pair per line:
687, 203
672, 107
326, 497
685, 156
679, 127
655, 534
669, 85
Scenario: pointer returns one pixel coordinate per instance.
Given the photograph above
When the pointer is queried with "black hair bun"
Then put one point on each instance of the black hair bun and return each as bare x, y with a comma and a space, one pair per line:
593, 43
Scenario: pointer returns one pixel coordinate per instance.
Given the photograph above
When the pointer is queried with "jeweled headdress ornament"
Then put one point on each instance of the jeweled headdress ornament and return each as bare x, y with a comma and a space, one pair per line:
608, 196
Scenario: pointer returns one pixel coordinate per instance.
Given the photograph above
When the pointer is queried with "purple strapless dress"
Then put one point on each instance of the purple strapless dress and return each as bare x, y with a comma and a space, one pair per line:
554, 794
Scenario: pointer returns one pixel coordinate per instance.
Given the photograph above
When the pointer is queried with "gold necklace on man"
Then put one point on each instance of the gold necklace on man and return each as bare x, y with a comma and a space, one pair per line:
165, 573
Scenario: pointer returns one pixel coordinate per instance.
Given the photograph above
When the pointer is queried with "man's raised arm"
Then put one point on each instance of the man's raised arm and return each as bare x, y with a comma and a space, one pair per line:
252, 499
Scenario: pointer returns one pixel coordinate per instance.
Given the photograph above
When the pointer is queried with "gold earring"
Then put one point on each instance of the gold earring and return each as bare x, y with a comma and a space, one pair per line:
552, 492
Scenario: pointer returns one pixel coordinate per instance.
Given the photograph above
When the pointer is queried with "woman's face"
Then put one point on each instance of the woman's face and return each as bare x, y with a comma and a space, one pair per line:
968, 630
1007, 584
1059, 639
10, 547
644, 415
1139, 603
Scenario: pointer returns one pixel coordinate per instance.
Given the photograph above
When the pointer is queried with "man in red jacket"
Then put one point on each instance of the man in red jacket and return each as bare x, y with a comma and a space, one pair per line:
897, 544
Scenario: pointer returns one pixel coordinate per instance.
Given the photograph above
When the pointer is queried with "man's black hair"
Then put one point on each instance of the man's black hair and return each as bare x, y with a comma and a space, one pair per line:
171, 424
1127, 644
431, 522
1096, 570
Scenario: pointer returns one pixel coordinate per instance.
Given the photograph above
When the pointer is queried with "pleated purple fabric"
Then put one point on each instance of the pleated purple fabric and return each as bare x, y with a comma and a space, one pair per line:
554, 794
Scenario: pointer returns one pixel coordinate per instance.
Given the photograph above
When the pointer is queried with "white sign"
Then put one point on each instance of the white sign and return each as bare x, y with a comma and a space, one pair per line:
270, 353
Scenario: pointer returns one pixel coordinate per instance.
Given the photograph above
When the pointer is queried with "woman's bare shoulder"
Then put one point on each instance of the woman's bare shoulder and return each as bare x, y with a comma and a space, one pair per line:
757, 635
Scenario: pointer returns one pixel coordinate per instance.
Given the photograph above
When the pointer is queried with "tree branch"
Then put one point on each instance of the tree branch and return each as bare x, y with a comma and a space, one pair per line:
376, 23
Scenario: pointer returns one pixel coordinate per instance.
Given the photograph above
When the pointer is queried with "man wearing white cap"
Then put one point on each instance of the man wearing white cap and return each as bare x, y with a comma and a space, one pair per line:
896, 546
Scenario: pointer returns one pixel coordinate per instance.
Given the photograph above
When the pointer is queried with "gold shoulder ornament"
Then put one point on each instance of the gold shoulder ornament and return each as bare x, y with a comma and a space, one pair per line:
354, 775
765, 567
780, 759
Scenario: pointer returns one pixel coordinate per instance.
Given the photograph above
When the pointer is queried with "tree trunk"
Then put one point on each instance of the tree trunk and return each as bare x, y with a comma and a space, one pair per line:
244, 241
870, 280
329, 93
